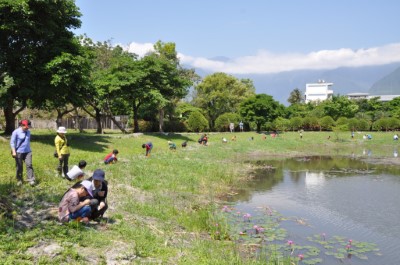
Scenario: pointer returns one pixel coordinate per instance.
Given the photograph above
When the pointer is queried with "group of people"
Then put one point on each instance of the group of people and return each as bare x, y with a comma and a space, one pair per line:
86, 199
232, 126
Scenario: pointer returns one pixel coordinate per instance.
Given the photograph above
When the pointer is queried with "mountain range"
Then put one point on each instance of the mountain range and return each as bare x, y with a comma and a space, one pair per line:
375, 80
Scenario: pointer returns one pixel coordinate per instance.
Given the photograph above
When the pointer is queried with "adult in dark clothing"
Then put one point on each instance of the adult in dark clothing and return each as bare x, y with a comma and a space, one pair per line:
100, 190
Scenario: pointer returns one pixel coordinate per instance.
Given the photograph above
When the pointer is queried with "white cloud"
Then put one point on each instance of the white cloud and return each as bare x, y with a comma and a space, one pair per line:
267, 62
139, 48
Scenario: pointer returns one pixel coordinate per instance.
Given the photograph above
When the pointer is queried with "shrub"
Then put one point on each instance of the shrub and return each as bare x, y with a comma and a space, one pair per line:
197, 122
175, 126
223, 121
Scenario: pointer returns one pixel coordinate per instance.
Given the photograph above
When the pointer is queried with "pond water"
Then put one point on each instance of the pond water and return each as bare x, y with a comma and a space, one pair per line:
331, 197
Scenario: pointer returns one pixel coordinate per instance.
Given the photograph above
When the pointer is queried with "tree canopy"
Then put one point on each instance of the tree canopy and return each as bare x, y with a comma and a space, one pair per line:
35, 38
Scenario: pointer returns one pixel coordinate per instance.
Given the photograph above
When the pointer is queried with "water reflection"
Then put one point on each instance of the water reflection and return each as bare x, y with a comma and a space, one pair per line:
336, 195
314, 179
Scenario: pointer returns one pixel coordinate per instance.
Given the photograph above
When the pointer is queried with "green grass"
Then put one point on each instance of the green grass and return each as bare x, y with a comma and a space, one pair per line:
161, 207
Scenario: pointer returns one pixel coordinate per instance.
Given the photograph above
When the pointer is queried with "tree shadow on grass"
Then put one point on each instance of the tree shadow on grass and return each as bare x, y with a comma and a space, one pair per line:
177, 138
79, 141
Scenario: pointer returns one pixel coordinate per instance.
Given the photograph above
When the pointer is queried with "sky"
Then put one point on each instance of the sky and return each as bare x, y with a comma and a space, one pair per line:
252, 36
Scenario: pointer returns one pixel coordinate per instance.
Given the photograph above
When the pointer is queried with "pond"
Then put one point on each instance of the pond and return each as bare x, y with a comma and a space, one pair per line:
330, 198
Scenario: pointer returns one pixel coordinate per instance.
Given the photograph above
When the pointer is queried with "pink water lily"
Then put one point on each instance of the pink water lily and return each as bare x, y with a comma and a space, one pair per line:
290, 242
226, 209
301, 256
348, 248
246, 217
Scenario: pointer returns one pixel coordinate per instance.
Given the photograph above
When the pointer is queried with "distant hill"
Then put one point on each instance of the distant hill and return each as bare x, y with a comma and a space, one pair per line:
345, 79
388, 85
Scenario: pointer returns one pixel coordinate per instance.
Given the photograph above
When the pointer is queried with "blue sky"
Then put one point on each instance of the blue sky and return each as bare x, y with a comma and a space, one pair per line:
258, 36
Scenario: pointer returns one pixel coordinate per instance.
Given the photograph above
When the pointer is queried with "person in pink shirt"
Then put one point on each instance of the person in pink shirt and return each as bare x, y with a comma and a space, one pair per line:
70, 208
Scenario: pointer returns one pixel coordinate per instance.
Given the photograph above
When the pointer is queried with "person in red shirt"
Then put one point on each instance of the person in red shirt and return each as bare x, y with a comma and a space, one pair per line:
111, 157
148, 147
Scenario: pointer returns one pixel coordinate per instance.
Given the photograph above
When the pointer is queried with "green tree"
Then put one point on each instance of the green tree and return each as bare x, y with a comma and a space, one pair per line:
295, 97
327, 123
281, 124
197, 122
183, 110
34, 35
339, 106
260, 109
172, 81
220, 93
223, 121
296, 123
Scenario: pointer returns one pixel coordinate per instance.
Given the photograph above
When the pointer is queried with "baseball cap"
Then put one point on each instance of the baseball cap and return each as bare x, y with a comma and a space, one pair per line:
88, 186
25, 123
99, 174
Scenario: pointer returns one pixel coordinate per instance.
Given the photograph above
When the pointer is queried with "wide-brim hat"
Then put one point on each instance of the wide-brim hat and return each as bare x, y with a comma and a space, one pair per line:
88, 186
61, 130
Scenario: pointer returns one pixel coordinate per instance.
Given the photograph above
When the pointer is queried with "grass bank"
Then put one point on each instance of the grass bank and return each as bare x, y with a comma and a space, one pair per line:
160, 207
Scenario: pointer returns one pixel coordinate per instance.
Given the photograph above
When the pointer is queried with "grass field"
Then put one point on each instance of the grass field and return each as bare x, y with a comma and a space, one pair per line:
160, 207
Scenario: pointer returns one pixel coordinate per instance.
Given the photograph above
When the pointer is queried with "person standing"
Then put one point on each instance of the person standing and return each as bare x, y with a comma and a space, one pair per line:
62, 150
20, 143
241, 126
231, 127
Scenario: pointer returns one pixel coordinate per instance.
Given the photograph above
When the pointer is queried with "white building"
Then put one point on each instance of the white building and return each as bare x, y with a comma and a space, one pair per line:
383, 98
318, 91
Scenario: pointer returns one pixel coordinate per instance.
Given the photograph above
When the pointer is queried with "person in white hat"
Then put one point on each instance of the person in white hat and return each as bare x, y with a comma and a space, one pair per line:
70, 208
62, 151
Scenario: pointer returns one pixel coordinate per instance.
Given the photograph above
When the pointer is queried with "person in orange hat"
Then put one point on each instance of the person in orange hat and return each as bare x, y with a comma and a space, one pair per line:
20, 143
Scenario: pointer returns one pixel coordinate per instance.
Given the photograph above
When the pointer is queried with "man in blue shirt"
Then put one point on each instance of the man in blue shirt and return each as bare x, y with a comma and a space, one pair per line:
21, 150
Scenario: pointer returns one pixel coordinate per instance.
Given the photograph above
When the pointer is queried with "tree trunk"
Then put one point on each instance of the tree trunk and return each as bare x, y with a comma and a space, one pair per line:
10, 118
10, 115
135, 117
98, 121
161, 120
59, 118
117, 123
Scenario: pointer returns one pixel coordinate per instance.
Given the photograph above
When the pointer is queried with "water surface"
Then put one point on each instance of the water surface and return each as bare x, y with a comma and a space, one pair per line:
333, 196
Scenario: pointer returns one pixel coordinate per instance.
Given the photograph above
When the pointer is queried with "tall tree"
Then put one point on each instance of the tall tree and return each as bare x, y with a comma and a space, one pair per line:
33, 34
260, 109
295, 97
220, 93
173, 81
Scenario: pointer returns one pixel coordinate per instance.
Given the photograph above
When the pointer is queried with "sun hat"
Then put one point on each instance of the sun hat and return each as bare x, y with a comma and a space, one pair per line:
62, 130
88, 186
99, 174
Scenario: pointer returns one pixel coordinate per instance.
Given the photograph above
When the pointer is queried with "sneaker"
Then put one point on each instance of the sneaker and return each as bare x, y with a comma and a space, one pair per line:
19, 183
32, 183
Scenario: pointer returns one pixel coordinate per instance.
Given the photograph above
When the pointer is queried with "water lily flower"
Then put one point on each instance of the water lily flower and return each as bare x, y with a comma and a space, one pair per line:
323, 236
301, 256
226, 209
348, 248
246, 217
350, 241
290, 242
